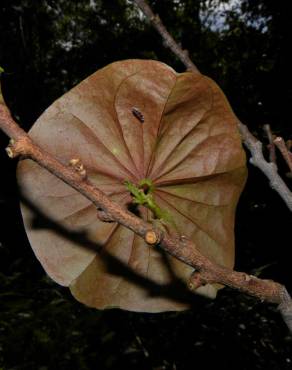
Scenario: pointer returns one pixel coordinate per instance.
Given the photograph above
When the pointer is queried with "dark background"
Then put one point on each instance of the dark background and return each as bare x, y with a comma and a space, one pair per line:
46, 47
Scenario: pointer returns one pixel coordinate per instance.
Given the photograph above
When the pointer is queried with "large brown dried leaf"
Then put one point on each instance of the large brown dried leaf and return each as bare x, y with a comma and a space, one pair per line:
188, 145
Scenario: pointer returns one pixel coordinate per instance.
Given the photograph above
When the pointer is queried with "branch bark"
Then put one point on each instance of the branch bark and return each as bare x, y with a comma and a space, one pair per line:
286, 154
168, 40
271, 145
185, 250
268, 168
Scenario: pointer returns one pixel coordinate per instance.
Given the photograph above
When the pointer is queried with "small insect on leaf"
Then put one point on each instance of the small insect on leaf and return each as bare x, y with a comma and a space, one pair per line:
138, 114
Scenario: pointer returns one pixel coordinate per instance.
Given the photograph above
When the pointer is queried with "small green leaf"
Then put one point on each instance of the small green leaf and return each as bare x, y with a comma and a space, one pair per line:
146, 183
147, 200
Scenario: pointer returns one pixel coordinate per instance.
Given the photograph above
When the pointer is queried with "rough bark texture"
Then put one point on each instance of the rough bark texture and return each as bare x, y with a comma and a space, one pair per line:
182, 249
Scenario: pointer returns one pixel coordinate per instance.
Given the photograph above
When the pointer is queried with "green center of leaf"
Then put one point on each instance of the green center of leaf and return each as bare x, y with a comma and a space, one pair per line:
142, 195
146, 185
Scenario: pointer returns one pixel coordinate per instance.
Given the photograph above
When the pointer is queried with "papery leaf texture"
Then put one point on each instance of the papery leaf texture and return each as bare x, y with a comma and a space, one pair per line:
129, 121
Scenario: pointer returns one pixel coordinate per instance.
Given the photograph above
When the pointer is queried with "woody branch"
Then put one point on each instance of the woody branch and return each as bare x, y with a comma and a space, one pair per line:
185, 250
168, 40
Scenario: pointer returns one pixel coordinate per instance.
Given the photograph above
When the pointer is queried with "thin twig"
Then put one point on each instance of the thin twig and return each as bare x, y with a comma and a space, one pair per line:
271, 145
269, 169
168, 40
286, 154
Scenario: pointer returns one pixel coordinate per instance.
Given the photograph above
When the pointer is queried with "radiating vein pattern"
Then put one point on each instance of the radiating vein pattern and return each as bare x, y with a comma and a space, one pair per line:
134, 120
